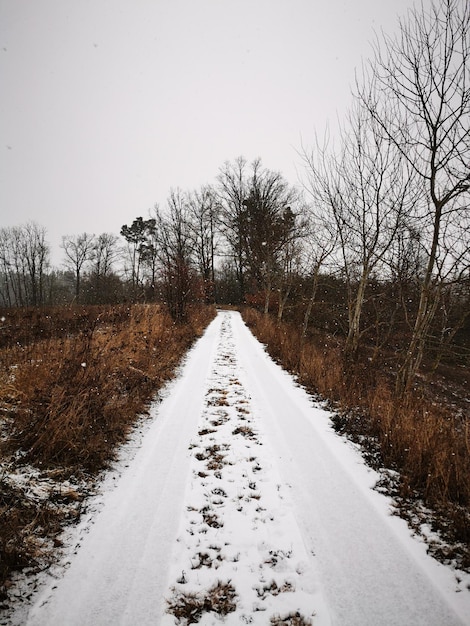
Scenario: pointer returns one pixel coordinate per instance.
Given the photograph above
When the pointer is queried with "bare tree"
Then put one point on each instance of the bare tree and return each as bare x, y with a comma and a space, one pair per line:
417, 88
232, 191
102, 285
320, 242
174, 247
79, 249
289, 262
203, 209
5, 286
405, 265
14, 292
140, 251
362, 193
105, 254
378, 196
259, 219
24, 261
36, 255
272, 224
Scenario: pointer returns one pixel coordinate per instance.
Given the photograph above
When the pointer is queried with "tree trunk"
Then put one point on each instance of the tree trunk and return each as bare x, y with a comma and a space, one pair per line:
354, 331
313, 295
283, 301
427, 307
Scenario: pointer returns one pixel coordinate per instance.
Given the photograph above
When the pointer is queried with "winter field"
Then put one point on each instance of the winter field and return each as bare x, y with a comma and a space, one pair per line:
238, 504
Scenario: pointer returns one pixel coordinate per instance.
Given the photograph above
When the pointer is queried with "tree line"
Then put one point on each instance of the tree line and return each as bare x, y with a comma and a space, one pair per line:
372, 245
395, 191
218, 243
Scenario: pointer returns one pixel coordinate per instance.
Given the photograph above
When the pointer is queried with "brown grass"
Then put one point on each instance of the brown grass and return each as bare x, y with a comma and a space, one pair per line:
426, 441
70, 399
292, 619
188, 608
72, 383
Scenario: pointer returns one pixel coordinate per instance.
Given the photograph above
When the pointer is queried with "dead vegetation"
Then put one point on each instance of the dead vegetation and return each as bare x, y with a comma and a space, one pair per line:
211, 518
421, 443
73, 381
292, 619
215, 459
274, 589
245, 431
188, 608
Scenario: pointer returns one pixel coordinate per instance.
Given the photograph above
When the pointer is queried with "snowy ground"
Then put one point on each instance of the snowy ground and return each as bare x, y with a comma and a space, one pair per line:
242, 506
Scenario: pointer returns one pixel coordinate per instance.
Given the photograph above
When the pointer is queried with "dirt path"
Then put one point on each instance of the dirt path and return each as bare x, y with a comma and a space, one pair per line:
243, 506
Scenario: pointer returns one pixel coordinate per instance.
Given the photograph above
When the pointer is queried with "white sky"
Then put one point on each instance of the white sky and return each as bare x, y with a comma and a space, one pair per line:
107, 104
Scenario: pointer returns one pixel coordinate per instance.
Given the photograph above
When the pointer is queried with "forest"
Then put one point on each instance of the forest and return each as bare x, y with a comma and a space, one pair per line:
357, 278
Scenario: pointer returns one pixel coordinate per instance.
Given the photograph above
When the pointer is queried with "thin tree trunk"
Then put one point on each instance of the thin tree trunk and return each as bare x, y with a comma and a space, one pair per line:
282, 302
427, 307
354, 331
313, 295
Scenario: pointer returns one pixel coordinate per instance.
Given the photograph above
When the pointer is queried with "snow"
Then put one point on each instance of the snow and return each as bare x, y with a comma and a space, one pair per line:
240, 480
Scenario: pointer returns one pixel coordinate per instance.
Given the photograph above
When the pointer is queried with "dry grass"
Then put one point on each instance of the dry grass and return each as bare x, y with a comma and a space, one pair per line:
292, 619
273, 589
424, 440
215, 459
72, 383
22, 528
188, 608
69, 399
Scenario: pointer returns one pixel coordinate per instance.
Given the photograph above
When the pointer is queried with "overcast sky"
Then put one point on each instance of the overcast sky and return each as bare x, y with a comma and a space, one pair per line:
107, 104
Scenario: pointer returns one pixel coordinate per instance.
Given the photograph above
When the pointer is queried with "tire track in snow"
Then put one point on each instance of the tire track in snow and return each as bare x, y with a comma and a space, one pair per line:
237, 480
237, 535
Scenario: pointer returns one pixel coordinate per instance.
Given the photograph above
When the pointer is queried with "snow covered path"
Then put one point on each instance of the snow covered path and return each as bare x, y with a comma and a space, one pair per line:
242, 505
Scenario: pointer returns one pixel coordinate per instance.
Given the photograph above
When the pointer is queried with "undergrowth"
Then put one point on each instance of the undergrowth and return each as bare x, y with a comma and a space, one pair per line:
73, 380
422, 444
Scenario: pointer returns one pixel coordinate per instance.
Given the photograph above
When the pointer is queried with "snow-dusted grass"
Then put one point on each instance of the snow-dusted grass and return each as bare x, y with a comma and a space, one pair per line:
243, 506
236, 524
425, 442
72, 382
